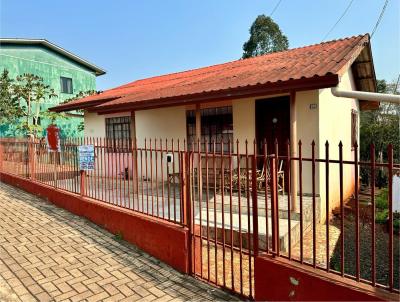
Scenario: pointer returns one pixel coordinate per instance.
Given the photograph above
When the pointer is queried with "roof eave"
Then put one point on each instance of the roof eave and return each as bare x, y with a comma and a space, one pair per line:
317, 82
70, 107
97, 70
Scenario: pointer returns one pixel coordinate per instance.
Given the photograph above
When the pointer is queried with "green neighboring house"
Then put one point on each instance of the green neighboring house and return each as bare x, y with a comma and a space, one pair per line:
64, 71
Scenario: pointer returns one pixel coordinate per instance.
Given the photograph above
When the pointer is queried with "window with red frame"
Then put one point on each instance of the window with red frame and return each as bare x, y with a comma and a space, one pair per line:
216, 126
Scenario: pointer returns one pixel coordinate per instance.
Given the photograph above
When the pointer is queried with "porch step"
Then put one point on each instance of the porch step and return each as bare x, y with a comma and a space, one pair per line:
245, 221
244, 209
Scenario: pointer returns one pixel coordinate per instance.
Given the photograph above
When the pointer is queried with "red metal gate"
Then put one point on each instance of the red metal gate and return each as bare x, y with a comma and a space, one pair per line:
220, 194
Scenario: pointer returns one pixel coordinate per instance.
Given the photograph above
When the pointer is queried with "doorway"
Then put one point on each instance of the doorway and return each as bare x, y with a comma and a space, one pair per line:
273, 122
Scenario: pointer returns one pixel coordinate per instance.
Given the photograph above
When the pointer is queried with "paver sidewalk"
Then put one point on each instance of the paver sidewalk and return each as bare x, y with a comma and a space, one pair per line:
49, 254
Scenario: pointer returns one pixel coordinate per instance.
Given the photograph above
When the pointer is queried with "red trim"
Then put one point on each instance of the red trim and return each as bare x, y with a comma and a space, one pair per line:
316, 82
161, 239
81, 105
273, 283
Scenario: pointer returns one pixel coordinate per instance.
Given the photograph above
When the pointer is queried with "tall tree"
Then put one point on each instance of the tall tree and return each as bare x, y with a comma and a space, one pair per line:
32, 90
265, 37
10, 110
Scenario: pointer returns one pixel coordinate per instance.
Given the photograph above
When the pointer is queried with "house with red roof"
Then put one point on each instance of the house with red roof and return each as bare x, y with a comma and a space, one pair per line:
279, 96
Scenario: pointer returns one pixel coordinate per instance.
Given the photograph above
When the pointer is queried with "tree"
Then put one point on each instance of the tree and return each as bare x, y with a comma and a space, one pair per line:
381, 127
9, 107
80, 95
31, 89
265, 37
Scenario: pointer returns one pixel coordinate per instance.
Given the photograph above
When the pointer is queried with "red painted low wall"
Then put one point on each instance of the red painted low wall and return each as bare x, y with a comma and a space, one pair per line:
161, 239
275, 280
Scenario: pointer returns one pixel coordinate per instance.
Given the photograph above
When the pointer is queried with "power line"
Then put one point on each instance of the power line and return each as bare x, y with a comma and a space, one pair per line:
275, 8
337, 22
380, 18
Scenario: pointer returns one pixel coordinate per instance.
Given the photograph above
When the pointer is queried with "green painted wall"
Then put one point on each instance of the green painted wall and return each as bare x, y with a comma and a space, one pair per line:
43, 62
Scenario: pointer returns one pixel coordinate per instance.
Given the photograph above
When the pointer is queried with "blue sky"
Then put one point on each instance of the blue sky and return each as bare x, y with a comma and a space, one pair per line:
137, 39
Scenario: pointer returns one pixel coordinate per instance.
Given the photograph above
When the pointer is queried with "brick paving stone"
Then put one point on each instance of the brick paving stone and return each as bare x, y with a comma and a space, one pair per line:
65, 296
98, 297
49, 287
49, 254
155, 291
20, 290
125, 290
79, 287
27, 298
44, 297
117, 297
35, 289
7, 293
82, 296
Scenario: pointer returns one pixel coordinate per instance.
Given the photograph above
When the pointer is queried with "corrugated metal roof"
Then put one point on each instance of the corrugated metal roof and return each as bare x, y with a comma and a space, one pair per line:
98, 71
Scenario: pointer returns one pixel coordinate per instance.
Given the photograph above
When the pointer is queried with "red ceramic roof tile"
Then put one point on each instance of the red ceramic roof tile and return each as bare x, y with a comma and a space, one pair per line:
305, 62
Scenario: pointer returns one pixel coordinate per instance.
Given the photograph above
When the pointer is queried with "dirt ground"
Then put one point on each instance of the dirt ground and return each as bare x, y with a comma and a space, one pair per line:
243, 281
382, 252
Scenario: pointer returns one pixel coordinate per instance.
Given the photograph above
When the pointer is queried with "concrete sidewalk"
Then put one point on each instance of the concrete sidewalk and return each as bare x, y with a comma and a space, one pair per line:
49, 254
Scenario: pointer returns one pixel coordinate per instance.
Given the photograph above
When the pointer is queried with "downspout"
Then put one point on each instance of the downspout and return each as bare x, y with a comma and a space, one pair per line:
366, 96
293, 150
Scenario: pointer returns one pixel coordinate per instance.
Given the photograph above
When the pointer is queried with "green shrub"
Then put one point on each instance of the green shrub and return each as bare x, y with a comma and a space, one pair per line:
381, 201
335, 261
382, 216
396, 225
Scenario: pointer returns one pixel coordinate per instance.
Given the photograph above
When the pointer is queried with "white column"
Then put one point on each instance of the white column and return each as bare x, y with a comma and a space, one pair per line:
198, 122
134, 159
293, 150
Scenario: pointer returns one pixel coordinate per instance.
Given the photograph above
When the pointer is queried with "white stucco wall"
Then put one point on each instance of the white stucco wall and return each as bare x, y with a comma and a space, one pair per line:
95, 124
244, 123
335, 126
307, 132
165, 123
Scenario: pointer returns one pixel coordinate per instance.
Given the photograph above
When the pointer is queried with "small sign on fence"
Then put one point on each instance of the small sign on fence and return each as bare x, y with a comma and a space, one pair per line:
86, 157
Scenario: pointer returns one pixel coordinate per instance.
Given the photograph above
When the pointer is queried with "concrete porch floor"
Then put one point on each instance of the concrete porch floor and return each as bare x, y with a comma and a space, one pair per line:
149, 200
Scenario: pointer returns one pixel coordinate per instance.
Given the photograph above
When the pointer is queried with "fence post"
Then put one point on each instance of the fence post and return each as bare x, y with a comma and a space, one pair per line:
184, 188
390, 205
187, 204
1, 156
254, 197
31, 158
274, 207
53, 156
134, 166
82, 184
